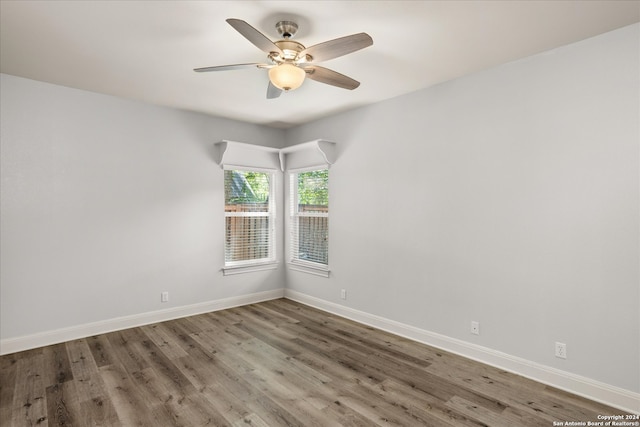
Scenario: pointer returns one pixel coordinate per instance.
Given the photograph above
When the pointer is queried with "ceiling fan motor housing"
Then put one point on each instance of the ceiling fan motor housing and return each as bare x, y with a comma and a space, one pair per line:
290, 49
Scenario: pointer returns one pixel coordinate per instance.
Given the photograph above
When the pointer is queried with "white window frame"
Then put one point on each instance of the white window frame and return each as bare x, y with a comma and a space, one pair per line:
270, 262
296, 263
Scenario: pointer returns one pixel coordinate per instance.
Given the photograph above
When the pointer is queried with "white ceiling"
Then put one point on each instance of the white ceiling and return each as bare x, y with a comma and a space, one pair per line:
146, 50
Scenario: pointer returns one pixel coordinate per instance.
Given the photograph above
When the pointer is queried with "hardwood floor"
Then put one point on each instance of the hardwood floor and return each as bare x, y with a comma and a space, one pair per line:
277, 363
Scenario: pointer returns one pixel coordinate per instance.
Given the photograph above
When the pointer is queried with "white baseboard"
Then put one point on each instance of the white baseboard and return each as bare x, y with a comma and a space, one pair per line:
586, 387
13, 345
576, 384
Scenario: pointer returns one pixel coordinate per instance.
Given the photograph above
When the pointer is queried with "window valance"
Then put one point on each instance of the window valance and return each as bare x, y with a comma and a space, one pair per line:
308, 154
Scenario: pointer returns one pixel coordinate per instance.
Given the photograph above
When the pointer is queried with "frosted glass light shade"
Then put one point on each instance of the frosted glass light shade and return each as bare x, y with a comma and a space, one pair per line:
286, 76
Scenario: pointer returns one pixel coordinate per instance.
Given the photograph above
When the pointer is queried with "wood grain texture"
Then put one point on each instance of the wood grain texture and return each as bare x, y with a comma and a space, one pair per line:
277, 363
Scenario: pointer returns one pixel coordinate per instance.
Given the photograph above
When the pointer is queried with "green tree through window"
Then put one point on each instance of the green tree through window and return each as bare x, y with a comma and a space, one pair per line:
313, 187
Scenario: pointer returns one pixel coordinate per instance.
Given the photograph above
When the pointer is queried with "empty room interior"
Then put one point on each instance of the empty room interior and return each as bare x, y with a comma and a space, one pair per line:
320, 213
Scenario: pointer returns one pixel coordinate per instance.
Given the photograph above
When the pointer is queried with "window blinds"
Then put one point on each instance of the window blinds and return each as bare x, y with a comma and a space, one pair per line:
309, 242
249, 217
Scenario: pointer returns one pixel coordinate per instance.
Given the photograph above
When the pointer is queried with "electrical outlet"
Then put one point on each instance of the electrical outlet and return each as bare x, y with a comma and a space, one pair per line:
164, 297
561, 350
475, 328
343, 294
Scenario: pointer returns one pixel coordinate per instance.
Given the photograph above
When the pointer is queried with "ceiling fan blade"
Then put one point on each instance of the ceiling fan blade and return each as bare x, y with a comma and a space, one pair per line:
330, 77
226, 67
272, 91
337, 47
254, 36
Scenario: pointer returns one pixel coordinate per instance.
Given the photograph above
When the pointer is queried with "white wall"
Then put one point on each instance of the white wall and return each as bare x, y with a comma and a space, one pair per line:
509, 197
105, 203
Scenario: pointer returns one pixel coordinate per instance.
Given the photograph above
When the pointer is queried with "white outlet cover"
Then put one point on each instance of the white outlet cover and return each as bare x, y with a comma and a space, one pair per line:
475, 328
561, 350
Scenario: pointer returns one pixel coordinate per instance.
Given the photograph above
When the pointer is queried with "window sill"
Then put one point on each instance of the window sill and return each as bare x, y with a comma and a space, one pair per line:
310, 269
240, 269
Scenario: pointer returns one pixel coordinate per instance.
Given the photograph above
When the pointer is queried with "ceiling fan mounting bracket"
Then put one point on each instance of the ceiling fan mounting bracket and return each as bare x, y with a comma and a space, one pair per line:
287, 29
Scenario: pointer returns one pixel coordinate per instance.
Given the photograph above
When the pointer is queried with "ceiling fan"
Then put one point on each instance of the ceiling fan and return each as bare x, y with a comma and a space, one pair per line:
290, 62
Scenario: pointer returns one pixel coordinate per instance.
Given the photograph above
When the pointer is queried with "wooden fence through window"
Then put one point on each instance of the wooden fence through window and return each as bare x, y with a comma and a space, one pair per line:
313, 234
247, 237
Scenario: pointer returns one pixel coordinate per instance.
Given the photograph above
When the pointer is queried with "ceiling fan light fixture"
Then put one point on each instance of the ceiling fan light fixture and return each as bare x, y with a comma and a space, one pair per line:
290, 62
287, 76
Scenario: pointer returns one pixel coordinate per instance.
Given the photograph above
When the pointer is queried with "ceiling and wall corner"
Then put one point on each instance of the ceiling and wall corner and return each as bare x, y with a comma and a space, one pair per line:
146, 50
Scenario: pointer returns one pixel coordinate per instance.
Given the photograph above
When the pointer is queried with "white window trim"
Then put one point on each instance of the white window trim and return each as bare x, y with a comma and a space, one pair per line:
296, 158
294, 263
240, 269
270, 263
248, 169
311, 268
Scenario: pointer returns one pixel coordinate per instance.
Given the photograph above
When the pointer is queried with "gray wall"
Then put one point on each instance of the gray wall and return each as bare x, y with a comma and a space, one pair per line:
106, 203
509, 197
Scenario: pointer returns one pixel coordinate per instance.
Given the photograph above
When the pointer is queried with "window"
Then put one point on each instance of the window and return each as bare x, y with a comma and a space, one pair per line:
249, 211
309, 202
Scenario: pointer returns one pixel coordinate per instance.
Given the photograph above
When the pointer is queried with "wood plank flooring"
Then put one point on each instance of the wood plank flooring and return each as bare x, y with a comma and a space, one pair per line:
277, 363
